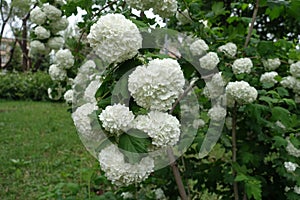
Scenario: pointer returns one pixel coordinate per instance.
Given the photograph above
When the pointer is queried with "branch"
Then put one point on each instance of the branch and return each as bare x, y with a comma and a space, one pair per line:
252, 24
234, 149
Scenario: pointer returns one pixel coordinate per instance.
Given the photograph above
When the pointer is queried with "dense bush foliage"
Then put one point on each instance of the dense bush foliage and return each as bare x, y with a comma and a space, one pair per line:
25, 86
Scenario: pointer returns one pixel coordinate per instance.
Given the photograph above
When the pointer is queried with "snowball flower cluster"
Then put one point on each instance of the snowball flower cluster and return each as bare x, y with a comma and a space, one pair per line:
297, 190
295, 69
68, 96
291, 83
241, 92
164, 8
199, 47
269, 77
56, 73
88, 67
271, 64
290, 167
37, 47
116, 119
215, 87
292, 150
90, 91
115, 38
52, 12
228, 49
209, 61
157, 85
217, 113
162, 128
37, 16
118, 171
56, 43
242, 65
64, 58
41, 33
59, 25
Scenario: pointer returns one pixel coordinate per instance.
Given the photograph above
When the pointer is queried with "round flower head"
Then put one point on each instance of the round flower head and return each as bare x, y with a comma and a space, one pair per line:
241, 92
158, 85
59, 25
215, 87
209, 61
88, 67
217, 113
56, 73
269, 78
52, 12
291, 149
228, 49
290, 167
162, 128
37, 16
37, 47
68, 96
56, 43
164, 8
115, 38
288, 82
242, 65
199, 47
116, 119
41, 33
121, 173
295, 69
271, 64
64, 59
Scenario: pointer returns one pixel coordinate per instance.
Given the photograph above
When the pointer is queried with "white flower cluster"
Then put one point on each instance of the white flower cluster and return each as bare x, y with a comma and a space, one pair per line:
37, 47
291, 83
290, 166
269, 78
292, 150
37, 16
241, 92
217, 113
295, 69
56, 43
64, 59
157, 85
229, 49
115, 38
41, 33
297, 190
271, 64
68, 96
118, 171
215, 87
87, 68
52, 12
56, 73
164, 8
163, 128
209, 61
116, 119
242, 65
59, 25
199, 47
90, 91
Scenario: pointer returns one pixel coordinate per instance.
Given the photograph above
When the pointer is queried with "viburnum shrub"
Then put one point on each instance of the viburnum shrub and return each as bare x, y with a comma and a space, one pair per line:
215, 99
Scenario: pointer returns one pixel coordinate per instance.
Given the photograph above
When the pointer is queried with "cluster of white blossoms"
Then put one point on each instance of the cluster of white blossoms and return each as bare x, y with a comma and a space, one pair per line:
217, 113
49, 22
269, 77
297, 190
162, 128
292, 150
56, 73
68, 96
199, 47
229, 49
241, 92
37, 47
116, 119
209, 61
63, 60
164, 8
157, 85
290, 166
295, 69
242, 65
215, 87
118, 171
271, 64
115, 38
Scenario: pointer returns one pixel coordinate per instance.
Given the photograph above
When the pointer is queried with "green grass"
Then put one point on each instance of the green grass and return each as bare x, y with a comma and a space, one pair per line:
41, 155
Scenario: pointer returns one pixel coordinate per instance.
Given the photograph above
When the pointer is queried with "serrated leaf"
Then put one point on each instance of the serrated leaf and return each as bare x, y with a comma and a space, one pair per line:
279, 141
241, 177
253, 189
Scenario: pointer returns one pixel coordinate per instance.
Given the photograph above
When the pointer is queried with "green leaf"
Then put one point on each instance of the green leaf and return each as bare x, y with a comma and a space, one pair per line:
241, 177
134, 143
218, 8
281, 114
279, 141
253, 189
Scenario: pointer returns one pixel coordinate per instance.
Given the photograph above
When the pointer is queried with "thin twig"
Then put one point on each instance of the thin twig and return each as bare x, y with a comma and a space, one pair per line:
252, 24
234, 150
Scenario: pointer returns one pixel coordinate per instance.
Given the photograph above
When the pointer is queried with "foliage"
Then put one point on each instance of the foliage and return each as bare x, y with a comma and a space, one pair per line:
25, 86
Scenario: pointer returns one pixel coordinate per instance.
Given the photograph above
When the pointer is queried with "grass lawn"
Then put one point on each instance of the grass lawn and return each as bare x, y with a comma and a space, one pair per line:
41, 155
